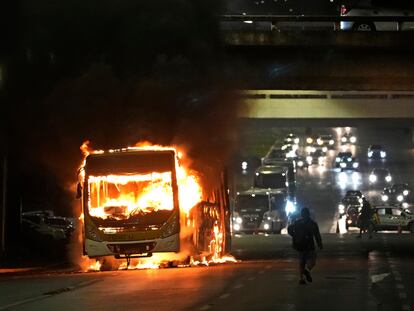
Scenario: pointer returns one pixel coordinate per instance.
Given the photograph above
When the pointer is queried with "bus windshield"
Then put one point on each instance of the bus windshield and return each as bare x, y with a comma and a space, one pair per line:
273, 181
131, 198
252, 202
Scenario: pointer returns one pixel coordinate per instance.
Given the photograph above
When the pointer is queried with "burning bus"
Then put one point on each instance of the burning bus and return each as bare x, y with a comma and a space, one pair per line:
139, 201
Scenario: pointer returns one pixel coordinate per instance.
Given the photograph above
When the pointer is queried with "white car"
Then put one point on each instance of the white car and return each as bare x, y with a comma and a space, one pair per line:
375, 8
393, 217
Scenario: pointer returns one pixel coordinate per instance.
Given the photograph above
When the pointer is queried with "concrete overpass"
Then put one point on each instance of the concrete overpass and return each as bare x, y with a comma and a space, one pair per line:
384, 108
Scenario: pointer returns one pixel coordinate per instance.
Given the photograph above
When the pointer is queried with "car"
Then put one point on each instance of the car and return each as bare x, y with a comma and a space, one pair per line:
348, 138
375, 8
302, 162
396, 194
290, 150
349, 164
246, 163
376, 152
317, 157
48, 225
311, 139
351, 193
326, 141
380, 176
350, 207
341, 157
393, 218
292, 139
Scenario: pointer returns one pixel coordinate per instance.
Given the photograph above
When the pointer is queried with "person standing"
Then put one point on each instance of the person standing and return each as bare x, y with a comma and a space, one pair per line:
365, 219
304, 232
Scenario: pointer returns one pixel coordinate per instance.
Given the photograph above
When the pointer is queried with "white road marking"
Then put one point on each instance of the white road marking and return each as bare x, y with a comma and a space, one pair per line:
205, 307
398, 278
252, 278
400, 286
224, 296
261, 272
238, 286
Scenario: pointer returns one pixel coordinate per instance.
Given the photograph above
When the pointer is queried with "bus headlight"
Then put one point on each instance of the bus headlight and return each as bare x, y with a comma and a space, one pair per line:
266, 226
244, 165
341, 208
353, 139
400, 198
384, 198
372, 178
388, 178
405, 192
319, 142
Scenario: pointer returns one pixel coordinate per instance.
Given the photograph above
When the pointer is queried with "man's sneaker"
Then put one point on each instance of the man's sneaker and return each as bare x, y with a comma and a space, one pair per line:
308, 275
302, 282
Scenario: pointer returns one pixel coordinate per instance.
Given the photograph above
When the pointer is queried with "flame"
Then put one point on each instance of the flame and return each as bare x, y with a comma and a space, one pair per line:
123, 196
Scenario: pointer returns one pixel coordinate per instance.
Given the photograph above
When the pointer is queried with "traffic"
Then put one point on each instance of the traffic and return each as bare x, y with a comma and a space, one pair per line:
303, 167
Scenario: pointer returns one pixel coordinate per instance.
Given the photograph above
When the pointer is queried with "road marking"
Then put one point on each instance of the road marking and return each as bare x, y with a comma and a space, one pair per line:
406, 307
400, 286
238, 286
205, 307
397, 278
224, 296
251, 278
261, 272
268, 267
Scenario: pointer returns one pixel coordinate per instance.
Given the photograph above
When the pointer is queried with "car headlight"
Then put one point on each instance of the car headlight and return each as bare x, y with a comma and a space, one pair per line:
370, 154
355, 165
349, 159
300, 163
289, 139
372, 178
341, 208
319, 141
325, 149
313, 149
239, 220
236, 227
309, 140
405, 192
290, 207
353, 139
343, 139
337, 159
296, 140
331, 142
388, 178
383, 154
309, 159
266, 226
343, 165
384, 198
244, 165
400, 198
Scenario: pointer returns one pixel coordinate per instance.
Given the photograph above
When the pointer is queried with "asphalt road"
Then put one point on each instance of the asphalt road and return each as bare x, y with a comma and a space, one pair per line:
351, 274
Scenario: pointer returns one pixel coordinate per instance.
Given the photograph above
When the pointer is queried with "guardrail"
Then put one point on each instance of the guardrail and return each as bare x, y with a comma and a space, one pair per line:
313, 18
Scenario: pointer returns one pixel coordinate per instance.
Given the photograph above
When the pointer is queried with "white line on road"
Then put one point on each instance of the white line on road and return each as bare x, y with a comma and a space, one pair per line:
205, 307
252, 278
400, 286
224, 296
261, 272
398, 278
238, 286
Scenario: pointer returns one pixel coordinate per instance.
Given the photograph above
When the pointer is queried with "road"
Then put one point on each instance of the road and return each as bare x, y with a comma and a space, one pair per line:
266, 277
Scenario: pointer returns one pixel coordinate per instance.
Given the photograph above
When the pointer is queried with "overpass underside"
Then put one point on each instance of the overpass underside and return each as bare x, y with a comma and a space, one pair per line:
329, 108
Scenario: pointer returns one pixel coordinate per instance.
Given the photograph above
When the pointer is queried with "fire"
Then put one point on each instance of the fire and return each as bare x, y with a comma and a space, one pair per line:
123, 196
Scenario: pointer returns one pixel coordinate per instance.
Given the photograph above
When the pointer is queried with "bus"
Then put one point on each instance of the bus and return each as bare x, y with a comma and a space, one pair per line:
132, 207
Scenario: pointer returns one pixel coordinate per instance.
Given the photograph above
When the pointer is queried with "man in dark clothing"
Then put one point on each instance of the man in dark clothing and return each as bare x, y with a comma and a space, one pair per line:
303, 232
365, 219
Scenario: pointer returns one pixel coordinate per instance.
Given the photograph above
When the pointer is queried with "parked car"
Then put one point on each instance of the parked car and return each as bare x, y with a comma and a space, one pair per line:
375, 8
393, 218
45, 223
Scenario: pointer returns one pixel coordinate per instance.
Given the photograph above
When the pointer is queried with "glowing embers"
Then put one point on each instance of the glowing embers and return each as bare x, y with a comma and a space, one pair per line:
122, 196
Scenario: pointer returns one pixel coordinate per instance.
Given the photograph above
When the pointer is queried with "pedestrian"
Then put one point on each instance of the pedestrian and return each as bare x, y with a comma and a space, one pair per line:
303, 232
365, 219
